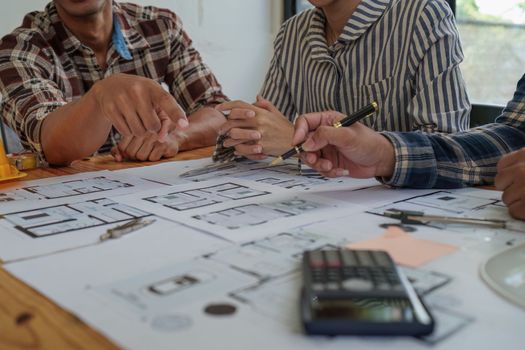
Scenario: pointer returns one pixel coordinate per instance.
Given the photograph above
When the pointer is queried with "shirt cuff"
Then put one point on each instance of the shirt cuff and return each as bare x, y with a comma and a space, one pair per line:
37, 115
415, 161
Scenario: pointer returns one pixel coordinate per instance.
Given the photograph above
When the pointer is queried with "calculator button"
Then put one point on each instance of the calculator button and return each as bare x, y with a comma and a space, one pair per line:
382, 259
348, 258
383, 286
364, 258
316, 259
357, 284
332, 258
318, 287
332, 286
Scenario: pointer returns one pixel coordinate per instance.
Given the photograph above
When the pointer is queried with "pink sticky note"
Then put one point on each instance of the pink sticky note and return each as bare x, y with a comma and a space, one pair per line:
405, 249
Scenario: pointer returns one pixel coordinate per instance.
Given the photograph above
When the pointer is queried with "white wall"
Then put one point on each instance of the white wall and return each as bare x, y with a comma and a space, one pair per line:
233, 36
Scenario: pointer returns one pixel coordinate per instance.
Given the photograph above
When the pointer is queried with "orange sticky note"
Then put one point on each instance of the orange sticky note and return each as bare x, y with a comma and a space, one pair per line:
405, 249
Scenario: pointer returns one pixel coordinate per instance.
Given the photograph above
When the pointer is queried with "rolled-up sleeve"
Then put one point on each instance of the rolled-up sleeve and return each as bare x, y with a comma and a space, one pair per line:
27, 92
462, 159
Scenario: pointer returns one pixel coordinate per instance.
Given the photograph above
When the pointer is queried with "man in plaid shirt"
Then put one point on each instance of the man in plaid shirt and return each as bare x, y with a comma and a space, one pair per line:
83, 76
494, 153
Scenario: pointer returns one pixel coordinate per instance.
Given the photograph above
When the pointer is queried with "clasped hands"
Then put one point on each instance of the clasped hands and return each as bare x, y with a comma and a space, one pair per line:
146, 116
256, 130
259, 130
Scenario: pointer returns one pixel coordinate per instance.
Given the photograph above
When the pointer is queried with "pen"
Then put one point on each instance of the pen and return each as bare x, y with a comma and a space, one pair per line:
418, 217
347, 121
130, 226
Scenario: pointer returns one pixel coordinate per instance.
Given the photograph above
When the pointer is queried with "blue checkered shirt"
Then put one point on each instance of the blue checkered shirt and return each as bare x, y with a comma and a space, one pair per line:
461, 159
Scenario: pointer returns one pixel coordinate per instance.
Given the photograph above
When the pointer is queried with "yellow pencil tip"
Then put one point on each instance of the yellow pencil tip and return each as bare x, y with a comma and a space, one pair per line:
276, 161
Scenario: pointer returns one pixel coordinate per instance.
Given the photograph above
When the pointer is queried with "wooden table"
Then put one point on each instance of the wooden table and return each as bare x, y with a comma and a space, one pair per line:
28, 320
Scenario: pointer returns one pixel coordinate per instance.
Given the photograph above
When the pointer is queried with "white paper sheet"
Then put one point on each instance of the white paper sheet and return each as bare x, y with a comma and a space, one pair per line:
25, 195
151, 288
167, 173
475, 203
237, 210
287, 175
142, 298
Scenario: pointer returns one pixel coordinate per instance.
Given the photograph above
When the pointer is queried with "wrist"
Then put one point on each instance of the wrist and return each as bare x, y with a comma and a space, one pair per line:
181, 138
93, 97
387, 162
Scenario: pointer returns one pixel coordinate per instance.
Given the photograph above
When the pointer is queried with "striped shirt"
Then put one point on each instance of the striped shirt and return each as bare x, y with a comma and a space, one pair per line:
463, 159
44, 66
403, 54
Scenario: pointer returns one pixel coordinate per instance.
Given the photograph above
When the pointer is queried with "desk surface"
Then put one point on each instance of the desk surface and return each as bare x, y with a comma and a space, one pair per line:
28, 319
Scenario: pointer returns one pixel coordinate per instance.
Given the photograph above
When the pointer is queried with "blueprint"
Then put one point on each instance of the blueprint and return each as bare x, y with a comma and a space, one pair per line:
49, 229
58, 219
460, 204
235, 209
289, 175
69, 189
249, 287
223, 254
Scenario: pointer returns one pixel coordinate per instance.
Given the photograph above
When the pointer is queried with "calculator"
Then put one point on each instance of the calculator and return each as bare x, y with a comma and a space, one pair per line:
359, 292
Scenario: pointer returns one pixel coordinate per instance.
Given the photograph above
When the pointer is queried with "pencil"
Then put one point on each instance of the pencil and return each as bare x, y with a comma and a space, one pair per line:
365, 112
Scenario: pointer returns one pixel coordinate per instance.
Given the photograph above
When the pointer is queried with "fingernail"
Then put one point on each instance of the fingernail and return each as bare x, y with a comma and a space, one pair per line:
342, 172
250, 114
257, 149
308, 145
326, 167
310, 158
183, 123
255, 135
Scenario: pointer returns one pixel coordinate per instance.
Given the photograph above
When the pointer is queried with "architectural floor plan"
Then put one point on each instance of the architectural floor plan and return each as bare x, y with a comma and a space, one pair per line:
205, 196
71, 217
70, 189
227, 207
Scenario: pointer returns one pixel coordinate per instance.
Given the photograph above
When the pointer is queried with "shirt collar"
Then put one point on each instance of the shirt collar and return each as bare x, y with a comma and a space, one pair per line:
365, 15
125, 37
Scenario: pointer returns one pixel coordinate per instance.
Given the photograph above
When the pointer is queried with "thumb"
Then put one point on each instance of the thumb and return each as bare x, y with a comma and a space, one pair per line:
115, 152
166, 126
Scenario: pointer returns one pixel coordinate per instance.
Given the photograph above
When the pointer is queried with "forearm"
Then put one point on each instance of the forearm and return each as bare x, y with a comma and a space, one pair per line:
74, 131
202, 131
449, 161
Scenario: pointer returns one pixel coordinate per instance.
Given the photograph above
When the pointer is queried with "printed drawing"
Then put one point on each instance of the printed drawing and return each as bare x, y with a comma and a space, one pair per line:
257, 214
202, 197
63, 189
76, 187
58, 219
285, 175
444, 203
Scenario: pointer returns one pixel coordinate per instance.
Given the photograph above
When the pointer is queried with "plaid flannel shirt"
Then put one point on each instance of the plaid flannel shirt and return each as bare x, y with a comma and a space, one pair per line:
44, 66
461, 159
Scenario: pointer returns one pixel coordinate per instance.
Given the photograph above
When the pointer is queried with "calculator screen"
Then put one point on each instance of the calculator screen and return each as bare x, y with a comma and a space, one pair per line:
365, 309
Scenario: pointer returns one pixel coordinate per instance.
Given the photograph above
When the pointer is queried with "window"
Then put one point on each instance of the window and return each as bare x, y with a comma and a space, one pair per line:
493, 37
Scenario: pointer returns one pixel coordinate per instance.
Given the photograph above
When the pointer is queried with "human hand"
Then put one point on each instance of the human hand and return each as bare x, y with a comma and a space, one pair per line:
356, 151
146, 148
257, 130
511, 180
137, 105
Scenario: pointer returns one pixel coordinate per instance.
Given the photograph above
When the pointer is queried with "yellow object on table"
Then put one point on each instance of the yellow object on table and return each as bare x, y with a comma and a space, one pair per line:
7, 171
23, 161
